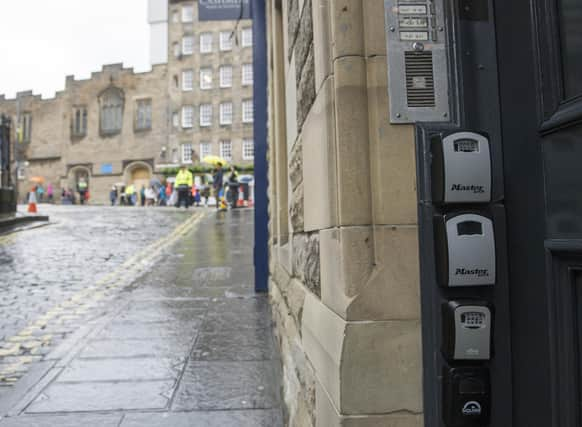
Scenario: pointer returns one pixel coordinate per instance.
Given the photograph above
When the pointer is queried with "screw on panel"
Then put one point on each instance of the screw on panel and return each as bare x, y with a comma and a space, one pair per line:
392, 29
398, 115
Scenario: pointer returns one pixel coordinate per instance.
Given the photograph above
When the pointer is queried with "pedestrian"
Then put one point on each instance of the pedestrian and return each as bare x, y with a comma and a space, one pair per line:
142, 195
217, 183
122, 201
184, 183
129, 194
82, 187
173, 199
162, 197
150, 196
49, 192
39, 193
113, 195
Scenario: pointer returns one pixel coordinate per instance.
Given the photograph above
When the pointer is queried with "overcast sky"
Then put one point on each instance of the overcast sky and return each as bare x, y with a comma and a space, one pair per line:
43, 41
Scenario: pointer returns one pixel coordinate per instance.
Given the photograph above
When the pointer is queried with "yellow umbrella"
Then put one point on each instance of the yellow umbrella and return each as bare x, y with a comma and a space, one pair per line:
37, 179
214, 160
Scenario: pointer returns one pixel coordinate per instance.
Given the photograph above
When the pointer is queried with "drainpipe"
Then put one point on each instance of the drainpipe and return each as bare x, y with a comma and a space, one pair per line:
261, 250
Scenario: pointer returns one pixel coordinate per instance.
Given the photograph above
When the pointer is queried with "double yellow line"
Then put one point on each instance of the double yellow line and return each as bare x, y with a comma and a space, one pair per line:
29, 338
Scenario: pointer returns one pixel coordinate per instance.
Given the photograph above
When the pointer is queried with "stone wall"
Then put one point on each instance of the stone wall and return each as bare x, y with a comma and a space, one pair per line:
344, 252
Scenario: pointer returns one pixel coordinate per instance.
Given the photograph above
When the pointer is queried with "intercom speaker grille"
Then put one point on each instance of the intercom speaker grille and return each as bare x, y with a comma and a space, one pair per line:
419, 79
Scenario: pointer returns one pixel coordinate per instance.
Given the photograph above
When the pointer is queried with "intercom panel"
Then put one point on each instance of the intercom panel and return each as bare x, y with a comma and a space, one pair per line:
465, 249
417, 61
466, 330
461, 168
466, 396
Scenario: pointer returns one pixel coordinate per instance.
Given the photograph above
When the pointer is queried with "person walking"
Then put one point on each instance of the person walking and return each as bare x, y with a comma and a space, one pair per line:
162, 197
150, 196
82, 187
49, 192
142, 195
217, 183
113, 195
129, 194
183, 183
39, 193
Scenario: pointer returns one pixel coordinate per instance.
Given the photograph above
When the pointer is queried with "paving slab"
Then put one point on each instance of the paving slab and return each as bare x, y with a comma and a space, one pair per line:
87, 420
112, 396
137, 330
235, 345
228, 385
159, 347
256, 418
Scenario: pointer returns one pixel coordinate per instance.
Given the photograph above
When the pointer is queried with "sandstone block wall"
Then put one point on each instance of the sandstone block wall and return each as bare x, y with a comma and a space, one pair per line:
344, 251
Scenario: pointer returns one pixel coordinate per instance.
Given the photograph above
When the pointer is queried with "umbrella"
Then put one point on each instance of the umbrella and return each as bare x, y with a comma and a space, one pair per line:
37, 179
214, 160
155, 182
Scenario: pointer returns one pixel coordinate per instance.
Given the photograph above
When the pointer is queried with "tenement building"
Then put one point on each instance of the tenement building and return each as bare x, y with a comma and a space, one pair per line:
120, 127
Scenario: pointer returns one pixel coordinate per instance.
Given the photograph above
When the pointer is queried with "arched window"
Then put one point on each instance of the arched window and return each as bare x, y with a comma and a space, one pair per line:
111, 102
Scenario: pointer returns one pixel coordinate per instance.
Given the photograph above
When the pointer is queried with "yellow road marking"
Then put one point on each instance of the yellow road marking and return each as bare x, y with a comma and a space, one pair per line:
26, 342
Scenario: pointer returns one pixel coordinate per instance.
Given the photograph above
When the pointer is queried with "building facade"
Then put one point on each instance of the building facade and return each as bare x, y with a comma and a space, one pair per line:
120, 127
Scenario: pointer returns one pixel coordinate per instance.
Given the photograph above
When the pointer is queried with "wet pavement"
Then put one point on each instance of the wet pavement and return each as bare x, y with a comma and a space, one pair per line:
188, 343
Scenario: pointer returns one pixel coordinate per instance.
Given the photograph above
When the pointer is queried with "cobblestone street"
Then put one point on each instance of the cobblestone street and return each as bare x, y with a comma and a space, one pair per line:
120, 313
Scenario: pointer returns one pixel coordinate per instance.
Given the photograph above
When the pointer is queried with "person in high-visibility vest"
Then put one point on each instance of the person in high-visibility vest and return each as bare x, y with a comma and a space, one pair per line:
183, 185
83, 187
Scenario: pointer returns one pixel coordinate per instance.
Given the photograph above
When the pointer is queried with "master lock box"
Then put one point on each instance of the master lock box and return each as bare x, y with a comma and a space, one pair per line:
467, 327
464, 249
466, 396
461, 168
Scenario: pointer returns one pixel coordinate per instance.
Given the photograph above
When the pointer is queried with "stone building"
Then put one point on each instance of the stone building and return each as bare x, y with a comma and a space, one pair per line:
344, 266
119, 127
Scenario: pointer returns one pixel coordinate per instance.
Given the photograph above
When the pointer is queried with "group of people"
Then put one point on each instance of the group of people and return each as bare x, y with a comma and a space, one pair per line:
151, 195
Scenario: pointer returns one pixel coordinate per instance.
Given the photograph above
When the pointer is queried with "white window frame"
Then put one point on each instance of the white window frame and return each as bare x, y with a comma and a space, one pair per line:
205, 149
223, 151
205, 84
187, 13
206, 42
187, 116
186, 152
248, 145
188, 44
226, 113
143, 119
247, 111
247, 74
205, 115
225, 41
225, 76
187, 80
247, 37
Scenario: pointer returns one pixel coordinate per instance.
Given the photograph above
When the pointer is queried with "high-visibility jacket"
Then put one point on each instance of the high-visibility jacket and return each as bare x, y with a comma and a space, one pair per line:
184, 177
129, 190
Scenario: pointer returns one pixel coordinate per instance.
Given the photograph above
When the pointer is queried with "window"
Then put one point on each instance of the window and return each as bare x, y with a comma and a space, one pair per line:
25, 127
226, 150
206, 115
205, 149
225, 73
205, 42
187, 13
176, 47
187, 45
143, 119
248, 149
569, 24
80, 121
225, 40
206, 78
247, 37
247, 74
247, 111
187, 80
186, 153
187, 116
111, 120
226, 113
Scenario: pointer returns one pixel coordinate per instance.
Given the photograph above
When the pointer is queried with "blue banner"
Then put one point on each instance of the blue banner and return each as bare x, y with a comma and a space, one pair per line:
223, 10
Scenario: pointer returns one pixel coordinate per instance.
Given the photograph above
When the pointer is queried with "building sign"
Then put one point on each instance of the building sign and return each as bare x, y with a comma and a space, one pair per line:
223, 10
106, 168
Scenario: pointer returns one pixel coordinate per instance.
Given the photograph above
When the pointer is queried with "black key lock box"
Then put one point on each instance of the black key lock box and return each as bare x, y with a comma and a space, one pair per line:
466, 330
464, 250
466, 397
461, 168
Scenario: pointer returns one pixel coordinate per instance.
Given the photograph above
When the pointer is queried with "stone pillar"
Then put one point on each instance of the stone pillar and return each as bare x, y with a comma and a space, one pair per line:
348, 308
